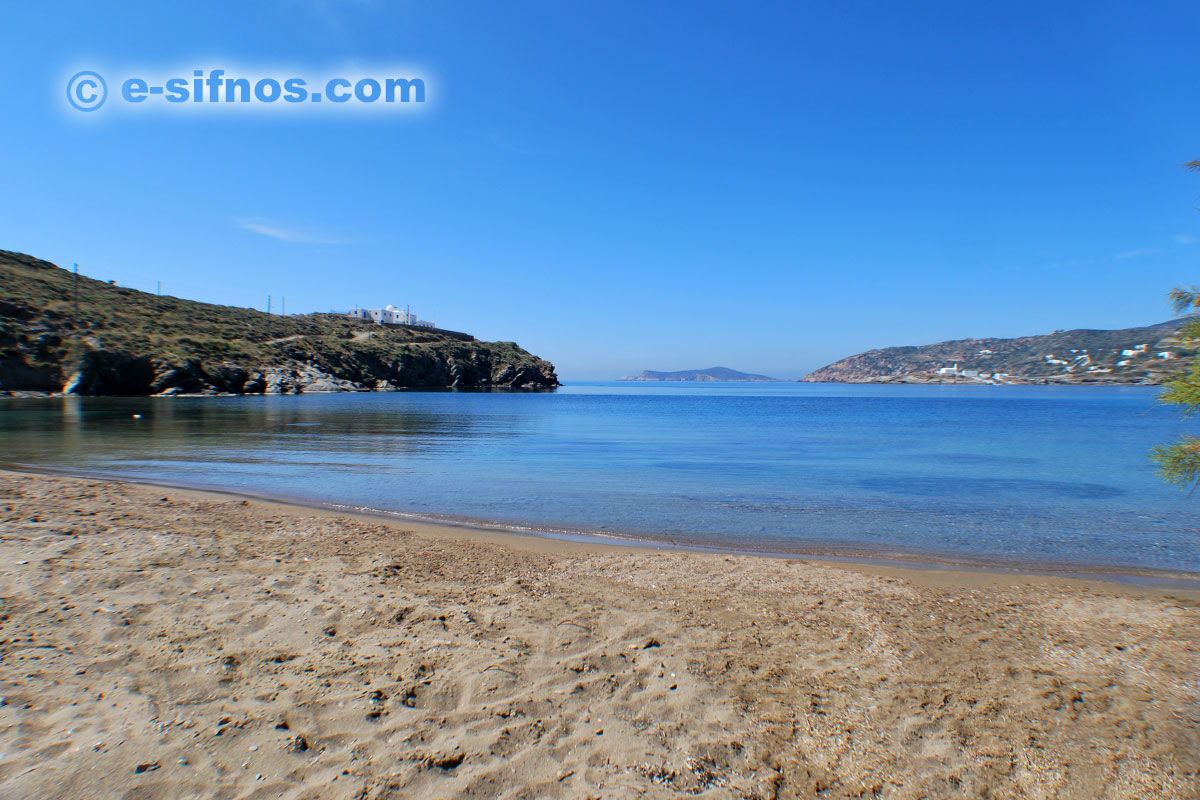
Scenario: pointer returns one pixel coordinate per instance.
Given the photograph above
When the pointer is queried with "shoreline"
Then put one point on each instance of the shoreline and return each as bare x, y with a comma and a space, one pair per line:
174, 642
914, 560
40, 394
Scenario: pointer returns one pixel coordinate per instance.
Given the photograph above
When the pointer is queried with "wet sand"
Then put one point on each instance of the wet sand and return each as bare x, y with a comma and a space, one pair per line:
160, 643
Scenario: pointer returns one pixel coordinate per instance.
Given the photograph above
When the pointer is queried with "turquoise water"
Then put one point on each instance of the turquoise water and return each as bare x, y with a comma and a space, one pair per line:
1031, 475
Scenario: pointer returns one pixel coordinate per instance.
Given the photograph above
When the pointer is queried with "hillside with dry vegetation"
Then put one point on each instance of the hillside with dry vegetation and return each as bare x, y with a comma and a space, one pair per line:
122, 341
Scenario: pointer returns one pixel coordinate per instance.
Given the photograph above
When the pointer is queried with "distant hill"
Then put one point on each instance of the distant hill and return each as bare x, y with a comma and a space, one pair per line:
1127, 356
125, 342
711, 374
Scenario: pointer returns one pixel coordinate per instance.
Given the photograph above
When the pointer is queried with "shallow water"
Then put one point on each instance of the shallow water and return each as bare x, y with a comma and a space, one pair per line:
1042, 476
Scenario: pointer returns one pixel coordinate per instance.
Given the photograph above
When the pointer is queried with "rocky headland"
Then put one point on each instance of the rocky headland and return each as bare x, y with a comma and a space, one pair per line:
104, 339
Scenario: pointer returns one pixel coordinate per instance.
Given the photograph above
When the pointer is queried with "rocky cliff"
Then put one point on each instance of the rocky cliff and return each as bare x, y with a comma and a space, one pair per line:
1126, 356
125, 342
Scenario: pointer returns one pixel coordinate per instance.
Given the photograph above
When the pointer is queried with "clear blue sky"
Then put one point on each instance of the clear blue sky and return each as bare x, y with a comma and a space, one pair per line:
621, 186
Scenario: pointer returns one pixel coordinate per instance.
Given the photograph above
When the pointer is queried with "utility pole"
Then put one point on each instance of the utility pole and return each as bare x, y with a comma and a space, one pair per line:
283, 306
158, 294
76, 290
268, 316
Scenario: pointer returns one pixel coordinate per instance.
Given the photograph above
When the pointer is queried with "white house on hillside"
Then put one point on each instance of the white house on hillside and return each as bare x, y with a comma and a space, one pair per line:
390, 315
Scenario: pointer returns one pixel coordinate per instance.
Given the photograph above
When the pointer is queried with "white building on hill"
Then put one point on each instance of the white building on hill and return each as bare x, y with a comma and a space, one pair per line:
390, 315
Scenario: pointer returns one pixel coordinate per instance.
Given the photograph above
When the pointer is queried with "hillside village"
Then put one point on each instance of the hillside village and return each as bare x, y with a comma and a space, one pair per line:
1078, 362
1146, 355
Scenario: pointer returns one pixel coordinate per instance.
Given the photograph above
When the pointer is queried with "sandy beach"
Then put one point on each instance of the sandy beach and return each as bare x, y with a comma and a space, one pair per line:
159, 643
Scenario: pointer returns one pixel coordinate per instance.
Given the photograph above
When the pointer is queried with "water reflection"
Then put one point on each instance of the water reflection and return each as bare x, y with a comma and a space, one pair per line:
1054, 476
58, 430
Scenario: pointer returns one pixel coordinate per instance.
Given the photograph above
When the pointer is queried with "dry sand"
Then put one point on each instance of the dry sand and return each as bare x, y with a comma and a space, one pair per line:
166, 644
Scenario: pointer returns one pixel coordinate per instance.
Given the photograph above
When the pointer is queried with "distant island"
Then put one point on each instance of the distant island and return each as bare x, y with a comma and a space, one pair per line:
62, 334
1128, 356
712, 374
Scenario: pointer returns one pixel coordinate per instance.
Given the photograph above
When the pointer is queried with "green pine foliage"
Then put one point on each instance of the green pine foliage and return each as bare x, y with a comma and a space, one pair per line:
1179, 463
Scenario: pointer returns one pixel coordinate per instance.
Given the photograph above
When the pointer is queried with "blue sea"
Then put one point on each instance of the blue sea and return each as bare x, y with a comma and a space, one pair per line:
1043, 477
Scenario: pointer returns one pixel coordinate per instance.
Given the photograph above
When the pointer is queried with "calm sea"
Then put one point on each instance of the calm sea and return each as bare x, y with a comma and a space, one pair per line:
1034, 476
